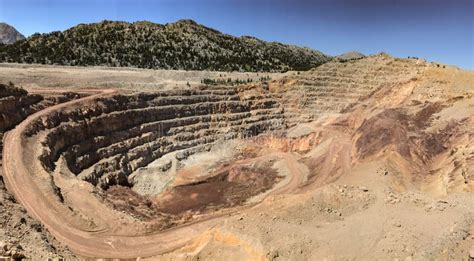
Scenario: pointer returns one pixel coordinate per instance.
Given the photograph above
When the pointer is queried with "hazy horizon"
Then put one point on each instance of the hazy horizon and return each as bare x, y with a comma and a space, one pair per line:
434, 30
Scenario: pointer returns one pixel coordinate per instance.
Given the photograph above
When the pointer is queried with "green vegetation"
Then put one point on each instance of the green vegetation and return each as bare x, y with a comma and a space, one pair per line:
181, 45
231, 82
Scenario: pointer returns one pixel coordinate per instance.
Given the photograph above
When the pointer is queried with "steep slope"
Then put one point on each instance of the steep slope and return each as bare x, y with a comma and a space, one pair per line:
181, 45
8, 34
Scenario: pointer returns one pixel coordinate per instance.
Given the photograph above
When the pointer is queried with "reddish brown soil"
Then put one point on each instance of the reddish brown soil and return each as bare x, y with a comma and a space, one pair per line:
229, 187
124, 199
405, 132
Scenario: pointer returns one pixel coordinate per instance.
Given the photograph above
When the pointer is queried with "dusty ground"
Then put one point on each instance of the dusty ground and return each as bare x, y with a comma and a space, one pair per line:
32, 77
23, 236
390, 178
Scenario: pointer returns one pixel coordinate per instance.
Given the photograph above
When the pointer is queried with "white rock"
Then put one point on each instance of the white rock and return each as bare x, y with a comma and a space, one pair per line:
471, 254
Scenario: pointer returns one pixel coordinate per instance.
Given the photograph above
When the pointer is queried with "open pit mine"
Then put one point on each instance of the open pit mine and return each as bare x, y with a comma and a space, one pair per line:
369, 158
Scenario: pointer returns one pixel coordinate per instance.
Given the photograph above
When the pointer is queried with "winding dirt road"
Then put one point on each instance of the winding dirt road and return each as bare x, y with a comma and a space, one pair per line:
21, 183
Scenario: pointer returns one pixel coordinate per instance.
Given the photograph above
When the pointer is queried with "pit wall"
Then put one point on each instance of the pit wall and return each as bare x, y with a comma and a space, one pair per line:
105, 141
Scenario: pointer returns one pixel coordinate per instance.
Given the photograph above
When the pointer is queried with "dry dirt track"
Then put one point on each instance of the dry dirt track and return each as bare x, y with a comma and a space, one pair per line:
20, 182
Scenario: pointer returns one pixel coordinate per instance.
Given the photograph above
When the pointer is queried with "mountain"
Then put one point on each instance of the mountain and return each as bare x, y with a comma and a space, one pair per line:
180, 45
349, 56
8, 34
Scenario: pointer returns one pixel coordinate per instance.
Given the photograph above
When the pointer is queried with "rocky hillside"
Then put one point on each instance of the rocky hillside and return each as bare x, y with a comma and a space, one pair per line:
180, 45
349, 56
8, 34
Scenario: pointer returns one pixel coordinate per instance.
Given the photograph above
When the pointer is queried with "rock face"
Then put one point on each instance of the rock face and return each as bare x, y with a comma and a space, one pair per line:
16, 104
107, 141
8, 34
181, 45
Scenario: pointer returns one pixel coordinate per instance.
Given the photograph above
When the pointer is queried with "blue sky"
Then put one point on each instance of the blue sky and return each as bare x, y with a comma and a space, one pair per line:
438, 30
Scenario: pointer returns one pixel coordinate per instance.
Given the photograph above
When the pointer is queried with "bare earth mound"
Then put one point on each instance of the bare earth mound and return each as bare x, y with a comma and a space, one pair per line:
362, 159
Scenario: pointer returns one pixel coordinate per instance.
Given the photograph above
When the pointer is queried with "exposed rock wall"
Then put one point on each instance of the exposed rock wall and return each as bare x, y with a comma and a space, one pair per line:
107, 141
16, 104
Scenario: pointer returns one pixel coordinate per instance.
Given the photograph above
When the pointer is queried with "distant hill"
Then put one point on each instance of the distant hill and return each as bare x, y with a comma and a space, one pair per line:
349, 56
180, 45
8, 34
